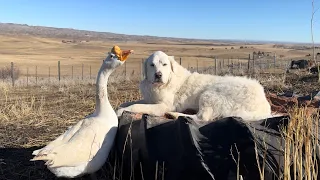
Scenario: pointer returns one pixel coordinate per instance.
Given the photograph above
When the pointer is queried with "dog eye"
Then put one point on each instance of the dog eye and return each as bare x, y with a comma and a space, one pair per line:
164, 64
152, 65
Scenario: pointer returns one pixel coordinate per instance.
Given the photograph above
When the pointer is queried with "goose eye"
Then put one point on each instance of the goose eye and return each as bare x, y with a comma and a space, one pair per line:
164, 64
152, 65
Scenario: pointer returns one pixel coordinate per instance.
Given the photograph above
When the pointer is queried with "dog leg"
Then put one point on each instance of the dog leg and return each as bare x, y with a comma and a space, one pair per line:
126, 104
151, 109
175, 116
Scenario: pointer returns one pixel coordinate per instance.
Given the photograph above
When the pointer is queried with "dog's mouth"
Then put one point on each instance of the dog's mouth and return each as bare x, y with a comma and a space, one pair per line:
157, 82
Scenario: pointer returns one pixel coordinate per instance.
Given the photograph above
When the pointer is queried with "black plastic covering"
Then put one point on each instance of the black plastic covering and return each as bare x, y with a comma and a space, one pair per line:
184, 150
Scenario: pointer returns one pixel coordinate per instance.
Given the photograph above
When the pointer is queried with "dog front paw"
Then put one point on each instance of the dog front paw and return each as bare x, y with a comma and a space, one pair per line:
121, 110
172, 115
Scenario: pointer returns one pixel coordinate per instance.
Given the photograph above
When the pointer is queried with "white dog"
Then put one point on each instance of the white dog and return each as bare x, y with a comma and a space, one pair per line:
169, 89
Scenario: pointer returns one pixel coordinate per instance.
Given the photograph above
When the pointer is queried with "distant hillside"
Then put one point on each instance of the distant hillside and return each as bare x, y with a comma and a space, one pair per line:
83, 35
67, 33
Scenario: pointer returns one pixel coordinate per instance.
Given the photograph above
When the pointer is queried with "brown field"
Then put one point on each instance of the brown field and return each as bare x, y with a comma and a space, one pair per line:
30, 51
32, 116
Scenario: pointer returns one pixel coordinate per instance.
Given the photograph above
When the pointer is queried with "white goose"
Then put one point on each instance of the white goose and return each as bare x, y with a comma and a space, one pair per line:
84, 147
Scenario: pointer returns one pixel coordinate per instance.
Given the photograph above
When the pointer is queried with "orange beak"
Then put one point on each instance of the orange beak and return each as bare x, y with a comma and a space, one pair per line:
122, 54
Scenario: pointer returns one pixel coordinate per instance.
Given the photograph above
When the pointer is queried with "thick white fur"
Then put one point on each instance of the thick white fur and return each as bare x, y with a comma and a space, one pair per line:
212, 96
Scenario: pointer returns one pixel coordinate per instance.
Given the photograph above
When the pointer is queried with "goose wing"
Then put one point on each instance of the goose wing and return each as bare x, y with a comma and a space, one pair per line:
80, 148
60, 140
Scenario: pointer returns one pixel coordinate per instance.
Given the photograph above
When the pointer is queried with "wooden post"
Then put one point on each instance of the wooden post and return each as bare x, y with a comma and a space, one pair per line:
12, 77
197, 65
180, 61
82, 72
253, 65
72, 72
249, 64
49, 73
90, 70
260, 66
59, 72
274, 62
141, 69
215, 66
232, 64
36, 75
27, 76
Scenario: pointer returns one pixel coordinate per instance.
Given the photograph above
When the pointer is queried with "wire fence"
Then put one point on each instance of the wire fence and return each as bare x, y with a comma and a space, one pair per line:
40, 74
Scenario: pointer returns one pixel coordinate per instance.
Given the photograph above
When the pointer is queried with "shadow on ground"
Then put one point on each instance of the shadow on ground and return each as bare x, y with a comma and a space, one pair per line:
15, 164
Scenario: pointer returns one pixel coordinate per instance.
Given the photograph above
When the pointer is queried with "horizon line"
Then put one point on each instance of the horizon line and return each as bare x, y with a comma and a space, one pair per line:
183, 38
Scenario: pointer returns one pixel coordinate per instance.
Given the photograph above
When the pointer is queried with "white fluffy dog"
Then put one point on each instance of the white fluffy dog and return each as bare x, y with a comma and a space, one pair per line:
169, 89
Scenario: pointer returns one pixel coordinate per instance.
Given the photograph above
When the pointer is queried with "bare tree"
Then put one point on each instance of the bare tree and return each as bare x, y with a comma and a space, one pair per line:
313, 46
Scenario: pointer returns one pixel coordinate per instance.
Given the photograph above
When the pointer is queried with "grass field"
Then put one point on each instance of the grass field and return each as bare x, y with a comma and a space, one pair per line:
29, 51
32, 116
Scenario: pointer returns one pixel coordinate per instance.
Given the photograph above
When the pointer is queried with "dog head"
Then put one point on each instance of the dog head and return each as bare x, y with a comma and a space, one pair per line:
158, 68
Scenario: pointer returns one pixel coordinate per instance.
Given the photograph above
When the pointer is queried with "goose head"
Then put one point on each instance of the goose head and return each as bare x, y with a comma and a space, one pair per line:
116, 58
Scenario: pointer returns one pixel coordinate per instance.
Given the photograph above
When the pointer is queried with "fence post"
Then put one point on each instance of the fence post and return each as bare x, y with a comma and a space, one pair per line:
232, 66
249, 64
180, 61
12, 74
222, 63
59, 75
49, 73
274, 63
197, 65
215, 66
82, 72
253, 64
239, 65
72, 72
141, 69
90, 71
27, 76
36, 75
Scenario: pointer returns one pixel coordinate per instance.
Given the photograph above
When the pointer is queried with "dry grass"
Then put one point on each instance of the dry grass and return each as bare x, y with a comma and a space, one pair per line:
29, 51
302, 146
32, 116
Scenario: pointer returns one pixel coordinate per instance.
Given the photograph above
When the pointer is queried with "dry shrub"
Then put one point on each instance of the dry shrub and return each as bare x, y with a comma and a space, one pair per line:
5, 73
301, 146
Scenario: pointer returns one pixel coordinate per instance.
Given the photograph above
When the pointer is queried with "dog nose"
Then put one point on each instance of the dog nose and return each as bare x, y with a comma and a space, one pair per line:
158, 75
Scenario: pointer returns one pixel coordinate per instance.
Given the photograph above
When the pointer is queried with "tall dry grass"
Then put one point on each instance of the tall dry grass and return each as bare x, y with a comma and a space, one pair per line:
301, 146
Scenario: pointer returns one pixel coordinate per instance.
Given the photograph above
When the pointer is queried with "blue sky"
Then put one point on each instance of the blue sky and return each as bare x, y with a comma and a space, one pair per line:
272, 20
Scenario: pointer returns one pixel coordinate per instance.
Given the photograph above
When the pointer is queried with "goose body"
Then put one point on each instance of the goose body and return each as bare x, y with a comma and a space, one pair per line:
84, 147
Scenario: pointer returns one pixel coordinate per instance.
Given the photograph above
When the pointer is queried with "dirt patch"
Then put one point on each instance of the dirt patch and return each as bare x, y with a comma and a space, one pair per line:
281, 104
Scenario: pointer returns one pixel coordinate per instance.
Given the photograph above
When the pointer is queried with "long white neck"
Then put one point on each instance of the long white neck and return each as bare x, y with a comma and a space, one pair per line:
103, 106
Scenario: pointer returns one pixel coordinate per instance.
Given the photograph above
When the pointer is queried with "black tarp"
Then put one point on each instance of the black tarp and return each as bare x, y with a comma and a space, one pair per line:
189, 151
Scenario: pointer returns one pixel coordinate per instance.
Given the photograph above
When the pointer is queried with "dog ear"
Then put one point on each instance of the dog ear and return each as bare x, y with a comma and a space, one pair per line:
174, 64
